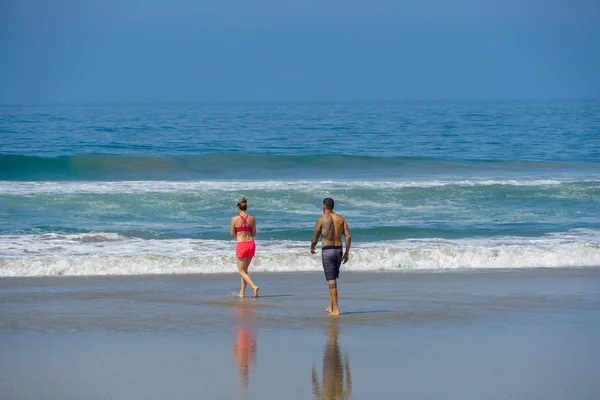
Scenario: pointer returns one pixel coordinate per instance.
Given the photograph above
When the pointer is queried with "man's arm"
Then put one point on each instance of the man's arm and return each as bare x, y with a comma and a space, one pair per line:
348, 242
316, 234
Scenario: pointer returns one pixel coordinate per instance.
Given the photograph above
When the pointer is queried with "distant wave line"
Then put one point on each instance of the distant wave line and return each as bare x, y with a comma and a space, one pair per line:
174, 186
132, 167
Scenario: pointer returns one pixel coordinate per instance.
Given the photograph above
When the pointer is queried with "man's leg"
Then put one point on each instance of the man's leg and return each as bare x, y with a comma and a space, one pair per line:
329, 306
333, 297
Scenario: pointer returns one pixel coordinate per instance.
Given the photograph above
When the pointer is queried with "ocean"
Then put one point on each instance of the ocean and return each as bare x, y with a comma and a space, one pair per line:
425, 186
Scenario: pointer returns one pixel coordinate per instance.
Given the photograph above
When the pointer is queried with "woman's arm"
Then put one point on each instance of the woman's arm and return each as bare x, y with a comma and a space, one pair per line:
253, 225
232, 228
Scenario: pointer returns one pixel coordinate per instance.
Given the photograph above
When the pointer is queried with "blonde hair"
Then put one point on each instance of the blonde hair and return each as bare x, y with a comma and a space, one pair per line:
243, 204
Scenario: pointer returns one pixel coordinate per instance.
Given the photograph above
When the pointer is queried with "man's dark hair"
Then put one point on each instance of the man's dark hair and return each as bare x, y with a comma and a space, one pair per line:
328, 203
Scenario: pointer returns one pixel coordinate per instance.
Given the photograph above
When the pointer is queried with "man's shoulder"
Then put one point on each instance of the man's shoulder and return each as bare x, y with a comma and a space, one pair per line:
339, 217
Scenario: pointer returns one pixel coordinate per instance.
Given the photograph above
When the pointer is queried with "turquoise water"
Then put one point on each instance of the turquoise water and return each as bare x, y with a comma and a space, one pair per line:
121, 189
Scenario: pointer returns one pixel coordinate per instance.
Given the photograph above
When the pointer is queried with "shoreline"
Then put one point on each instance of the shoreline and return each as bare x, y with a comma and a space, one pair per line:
431, 271
193, 302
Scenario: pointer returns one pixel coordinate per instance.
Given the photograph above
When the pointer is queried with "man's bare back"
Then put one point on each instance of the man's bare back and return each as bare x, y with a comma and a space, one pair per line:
331, 226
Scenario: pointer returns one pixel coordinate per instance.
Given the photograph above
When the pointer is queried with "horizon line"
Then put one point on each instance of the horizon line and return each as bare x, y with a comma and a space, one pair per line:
289, 101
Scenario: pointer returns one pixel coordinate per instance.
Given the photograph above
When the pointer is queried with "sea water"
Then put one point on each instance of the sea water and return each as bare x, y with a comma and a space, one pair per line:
150, 189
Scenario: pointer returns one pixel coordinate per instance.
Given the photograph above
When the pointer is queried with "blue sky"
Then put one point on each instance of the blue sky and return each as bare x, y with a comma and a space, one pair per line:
104, 51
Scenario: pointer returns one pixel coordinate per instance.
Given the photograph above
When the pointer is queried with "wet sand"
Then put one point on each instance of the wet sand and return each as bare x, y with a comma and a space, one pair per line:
517, 334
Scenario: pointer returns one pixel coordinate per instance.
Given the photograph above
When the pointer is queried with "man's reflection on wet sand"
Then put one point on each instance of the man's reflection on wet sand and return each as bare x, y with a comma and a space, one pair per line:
244, 344
336, 383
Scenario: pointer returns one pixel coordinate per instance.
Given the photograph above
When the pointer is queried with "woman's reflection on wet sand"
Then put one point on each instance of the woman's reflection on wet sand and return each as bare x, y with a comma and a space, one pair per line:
244, 344
336, 382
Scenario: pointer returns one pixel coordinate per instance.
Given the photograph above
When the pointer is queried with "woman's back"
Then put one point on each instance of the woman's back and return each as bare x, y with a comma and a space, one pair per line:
244, 227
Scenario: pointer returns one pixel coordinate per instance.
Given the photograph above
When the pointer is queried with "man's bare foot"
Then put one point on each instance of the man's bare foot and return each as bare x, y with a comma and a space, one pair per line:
336, 312
256, 292
240, 294
328, 309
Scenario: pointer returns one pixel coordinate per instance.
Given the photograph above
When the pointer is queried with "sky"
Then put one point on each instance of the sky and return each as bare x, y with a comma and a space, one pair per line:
122, 51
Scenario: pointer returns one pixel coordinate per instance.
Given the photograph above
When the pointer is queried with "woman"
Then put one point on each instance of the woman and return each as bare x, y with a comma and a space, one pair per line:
243, 228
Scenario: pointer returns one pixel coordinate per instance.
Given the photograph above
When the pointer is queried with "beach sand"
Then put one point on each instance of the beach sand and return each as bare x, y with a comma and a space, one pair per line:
505, 334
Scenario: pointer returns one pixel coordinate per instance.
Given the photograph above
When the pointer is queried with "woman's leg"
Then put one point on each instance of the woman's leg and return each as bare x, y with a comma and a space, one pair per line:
247, 264
243, 287
243, 264
240, 263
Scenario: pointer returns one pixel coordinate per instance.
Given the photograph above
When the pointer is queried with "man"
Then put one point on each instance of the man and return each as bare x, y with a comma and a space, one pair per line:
331, 226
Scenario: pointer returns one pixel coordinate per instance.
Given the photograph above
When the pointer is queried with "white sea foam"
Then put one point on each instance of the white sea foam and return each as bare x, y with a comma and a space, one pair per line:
140, 187
111, 254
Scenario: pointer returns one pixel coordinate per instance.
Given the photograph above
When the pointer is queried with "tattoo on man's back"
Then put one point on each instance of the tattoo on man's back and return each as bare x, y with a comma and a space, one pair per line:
327, 231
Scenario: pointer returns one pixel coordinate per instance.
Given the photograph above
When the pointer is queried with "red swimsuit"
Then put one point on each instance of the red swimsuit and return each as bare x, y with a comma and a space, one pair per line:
244, 227
245, 249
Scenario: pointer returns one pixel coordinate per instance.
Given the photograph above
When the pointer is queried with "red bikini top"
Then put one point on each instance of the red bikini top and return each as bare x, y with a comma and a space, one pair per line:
244, 227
